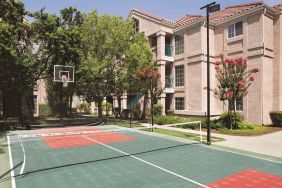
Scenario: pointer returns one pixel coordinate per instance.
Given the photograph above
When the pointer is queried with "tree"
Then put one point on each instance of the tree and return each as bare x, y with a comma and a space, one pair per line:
59, 41
110, 45
150, 80
139, 56
18, 68
233, 82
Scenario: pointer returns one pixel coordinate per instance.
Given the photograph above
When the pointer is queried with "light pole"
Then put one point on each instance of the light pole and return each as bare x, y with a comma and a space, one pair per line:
130, 79
211, 7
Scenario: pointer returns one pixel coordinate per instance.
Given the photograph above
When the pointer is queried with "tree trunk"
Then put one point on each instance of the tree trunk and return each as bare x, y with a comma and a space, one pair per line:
70, 104
152, 107
234, 115
99, 108
119, 104
229, 123
143, 114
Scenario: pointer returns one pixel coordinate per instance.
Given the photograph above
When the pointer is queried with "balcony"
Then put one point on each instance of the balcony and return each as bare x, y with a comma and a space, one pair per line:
169, 84
168, 50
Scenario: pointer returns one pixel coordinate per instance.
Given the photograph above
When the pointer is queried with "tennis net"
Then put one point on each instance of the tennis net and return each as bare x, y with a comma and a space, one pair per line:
44, 150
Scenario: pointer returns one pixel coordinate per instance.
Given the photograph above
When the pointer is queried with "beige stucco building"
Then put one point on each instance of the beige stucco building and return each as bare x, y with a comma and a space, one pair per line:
179, 48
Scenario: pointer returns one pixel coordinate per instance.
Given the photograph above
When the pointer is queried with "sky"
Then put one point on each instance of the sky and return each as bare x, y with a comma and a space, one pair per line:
170, 9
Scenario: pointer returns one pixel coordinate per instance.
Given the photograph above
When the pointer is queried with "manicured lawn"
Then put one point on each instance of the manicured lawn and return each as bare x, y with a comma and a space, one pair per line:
180, 134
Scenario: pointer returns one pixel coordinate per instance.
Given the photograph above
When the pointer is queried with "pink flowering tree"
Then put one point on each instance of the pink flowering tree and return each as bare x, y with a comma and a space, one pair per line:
150, 81
234, 79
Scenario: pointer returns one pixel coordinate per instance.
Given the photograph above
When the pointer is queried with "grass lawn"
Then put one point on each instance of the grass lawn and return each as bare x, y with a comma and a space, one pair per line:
184, 135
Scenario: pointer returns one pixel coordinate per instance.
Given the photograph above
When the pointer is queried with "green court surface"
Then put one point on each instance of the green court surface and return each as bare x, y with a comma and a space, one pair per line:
109, 156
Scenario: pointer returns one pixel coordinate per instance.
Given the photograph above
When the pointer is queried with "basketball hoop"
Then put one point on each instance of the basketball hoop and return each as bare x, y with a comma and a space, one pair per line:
65, 80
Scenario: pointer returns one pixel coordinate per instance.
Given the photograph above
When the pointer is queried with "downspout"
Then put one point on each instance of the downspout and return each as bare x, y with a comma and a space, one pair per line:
263, 51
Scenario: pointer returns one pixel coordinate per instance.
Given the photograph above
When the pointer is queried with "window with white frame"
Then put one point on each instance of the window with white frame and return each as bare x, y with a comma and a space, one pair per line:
239, 104
179, 103
235, 29
179, 44
179, 75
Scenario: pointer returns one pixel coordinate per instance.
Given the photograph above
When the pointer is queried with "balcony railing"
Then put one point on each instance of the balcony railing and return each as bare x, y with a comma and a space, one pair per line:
169, 82
168, 50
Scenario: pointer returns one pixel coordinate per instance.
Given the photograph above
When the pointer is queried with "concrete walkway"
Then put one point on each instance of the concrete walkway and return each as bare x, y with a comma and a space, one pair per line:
269, 144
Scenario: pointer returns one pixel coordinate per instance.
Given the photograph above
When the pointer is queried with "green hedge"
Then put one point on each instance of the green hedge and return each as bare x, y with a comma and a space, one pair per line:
168, 119
276, 118
158, 108
45, 110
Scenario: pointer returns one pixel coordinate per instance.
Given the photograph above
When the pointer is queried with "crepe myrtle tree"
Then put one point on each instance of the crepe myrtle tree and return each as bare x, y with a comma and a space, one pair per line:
234, 79
150, 79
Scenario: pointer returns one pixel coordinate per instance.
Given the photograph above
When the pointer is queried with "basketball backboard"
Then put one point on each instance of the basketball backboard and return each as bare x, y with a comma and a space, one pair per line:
61, 72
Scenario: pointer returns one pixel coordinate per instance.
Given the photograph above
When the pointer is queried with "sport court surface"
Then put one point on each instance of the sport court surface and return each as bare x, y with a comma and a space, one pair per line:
110, 156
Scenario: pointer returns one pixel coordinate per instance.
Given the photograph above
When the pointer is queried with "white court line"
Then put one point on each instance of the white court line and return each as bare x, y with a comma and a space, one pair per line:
151, 164
11, 163
252, 156
24, 159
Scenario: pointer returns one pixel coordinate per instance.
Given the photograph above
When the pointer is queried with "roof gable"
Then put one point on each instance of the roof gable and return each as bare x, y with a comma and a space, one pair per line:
154, 17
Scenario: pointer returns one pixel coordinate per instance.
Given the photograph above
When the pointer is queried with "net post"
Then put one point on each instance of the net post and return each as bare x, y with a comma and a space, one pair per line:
201, 135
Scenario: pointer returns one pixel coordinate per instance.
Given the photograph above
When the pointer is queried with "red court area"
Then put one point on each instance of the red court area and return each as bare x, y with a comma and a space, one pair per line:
68, 141
248, 178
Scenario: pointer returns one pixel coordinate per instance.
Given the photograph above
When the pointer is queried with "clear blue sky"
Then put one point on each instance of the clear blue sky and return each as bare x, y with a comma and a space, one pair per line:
171, 9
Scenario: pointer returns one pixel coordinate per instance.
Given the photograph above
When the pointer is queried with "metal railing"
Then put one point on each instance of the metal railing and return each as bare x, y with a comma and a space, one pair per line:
168, 50
169, 82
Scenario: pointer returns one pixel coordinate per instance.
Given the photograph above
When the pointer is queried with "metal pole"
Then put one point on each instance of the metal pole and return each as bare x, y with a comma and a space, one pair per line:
106, 101
152, 105
208, 80
61, 102
130, 118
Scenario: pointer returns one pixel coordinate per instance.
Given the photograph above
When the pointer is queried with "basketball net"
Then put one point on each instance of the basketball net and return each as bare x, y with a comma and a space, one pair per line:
65, 80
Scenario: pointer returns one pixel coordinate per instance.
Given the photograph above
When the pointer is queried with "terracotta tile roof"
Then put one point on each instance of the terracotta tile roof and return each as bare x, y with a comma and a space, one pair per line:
215, 17
278, 7
186, 19
157, 18
233, 10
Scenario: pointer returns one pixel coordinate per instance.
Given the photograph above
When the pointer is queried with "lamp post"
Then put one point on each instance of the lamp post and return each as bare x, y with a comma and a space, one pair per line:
211, 7
130, 79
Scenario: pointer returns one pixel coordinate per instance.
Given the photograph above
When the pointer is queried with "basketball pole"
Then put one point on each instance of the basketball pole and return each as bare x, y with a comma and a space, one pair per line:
61, 102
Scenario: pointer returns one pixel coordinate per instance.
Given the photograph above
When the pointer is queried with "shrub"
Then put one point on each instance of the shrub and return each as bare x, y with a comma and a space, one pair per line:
226, 118
216, 124
116, 112
109, 106
136, 113
163, 119
158, 108
45, 110
84, 108
276, 117
125, 113
248, 129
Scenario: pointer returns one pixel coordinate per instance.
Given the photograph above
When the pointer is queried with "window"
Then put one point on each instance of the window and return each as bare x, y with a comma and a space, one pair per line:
235, 29
179, 45
179, 75
136, 25
239, 104
179, 103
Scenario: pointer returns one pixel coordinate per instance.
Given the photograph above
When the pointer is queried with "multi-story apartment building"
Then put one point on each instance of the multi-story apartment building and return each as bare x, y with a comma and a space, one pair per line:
252, 30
